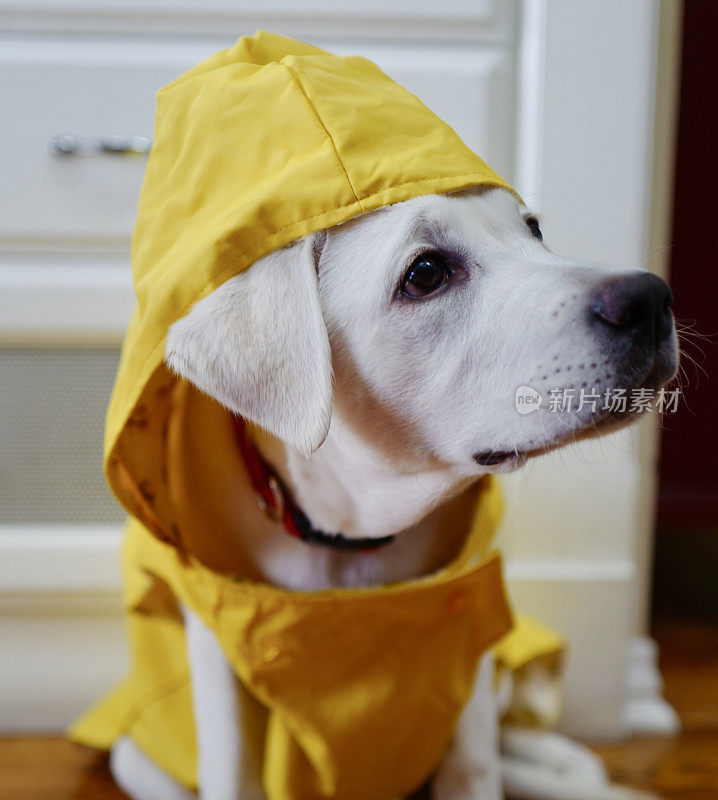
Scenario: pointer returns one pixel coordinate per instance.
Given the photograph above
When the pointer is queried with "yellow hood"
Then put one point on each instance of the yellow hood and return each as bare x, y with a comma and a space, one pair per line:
260, 144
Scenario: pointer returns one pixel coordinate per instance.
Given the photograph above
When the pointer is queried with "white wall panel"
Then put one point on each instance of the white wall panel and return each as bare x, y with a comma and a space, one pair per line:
586, 167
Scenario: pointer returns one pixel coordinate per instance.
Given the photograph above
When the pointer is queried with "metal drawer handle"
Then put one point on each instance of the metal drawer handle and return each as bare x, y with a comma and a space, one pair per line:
69, 145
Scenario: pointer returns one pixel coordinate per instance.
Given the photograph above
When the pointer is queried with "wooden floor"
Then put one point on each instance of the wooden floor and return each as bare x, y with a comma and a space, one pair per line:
685, 768
49, 768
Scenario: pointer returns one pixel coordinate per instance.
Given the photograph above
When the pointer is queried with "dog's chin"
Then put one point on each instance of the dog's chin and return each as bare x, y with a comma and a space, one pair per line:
598, 425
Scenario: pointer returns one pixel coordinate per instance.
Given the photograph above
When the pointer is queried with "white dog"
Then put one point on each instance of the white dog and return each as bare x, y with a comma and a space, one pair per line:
389, 388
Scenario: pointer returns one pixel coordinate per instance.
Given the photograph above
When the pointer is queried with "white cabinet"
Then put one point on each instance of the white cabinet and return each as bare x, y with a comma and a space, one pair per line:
91, 89
97, 86
557, 95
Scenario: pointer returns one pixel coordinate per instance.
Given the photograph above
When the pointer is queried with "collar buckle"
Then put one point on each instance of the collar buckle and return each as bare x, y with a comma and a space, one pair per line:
279, 506
274, 509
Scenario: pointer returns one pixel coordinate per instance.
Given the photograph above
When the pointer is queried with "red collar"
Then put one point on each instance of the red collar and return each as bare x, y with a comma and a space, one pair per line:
277, 503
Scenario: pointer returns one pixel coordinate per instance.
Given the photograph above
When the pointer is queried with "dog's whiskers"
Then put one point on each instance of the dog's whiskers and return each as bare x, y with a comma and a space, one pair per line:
699, 368
688, 327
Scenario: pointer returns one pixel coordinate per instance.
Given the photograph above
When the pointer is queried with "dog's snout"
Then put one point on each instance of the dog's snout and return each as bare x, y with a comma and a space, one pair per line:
639, 303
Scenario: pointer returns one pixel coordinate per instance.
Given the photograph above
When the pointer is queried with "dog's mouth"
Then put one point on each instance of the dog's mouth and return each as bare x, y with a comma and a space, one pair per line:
509, 460
597, 425
492, 458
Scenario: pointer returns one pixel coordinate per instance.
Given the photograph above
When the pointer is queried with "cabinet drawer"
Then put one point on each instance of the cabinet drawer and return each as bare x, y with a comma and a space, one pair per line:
94, 88
91, 88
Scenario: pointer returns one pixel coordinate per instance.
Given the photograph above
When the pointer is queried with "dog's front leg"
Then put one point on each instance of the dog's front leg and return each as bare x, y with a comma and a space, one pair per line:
225, 768
471, 769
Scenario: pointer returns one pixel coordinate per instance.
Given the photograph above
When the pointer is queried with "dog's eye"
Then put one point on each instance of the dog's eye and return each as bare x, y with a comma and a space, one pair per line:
428, 273
533, 224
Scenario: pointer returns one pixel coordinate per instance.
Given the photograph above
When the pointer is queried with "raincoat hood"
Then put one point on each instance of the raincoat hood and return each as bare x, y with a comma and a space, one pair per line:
260, 144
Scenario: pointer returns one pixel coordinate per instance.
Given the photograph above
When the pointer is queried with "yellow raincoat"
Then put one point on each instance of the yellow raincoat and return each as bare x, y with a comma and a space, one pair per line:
357, 690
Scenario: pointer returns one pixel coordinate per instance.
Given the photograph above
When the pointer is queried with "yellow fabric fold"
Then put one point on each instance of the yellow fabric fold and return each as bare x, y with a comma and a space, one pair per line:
360, 688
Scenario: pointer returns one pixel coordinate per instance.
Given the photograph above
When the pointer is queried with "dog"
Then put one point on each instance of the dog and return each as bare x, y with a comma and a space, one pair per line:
389, 390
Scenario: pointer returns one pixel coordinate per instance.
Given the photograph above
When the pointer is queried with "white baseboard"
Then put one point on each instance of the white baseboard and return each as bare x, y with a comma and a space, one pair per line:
62, 641
587, 602
77, 298
43, 565
61, 628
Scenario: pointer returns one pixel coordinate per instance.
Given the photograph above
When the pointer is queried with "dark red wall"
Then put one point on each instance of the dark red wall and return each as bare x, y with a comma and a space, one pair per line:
689, 462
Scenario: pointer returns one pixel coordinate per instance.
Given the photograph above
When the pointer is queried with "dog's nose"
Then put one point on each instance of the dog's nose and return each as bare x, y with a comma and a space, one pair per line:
639, 303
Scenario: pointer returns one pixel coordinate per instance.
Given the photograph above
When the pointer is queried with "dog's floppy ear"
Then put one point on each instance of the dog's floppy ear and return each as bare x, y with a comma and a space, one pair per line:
258, 344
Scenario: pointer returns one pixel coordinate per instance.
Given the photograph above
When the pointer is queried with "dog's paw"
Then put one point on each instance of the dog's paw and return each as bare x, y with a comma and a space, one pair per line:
140, 778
